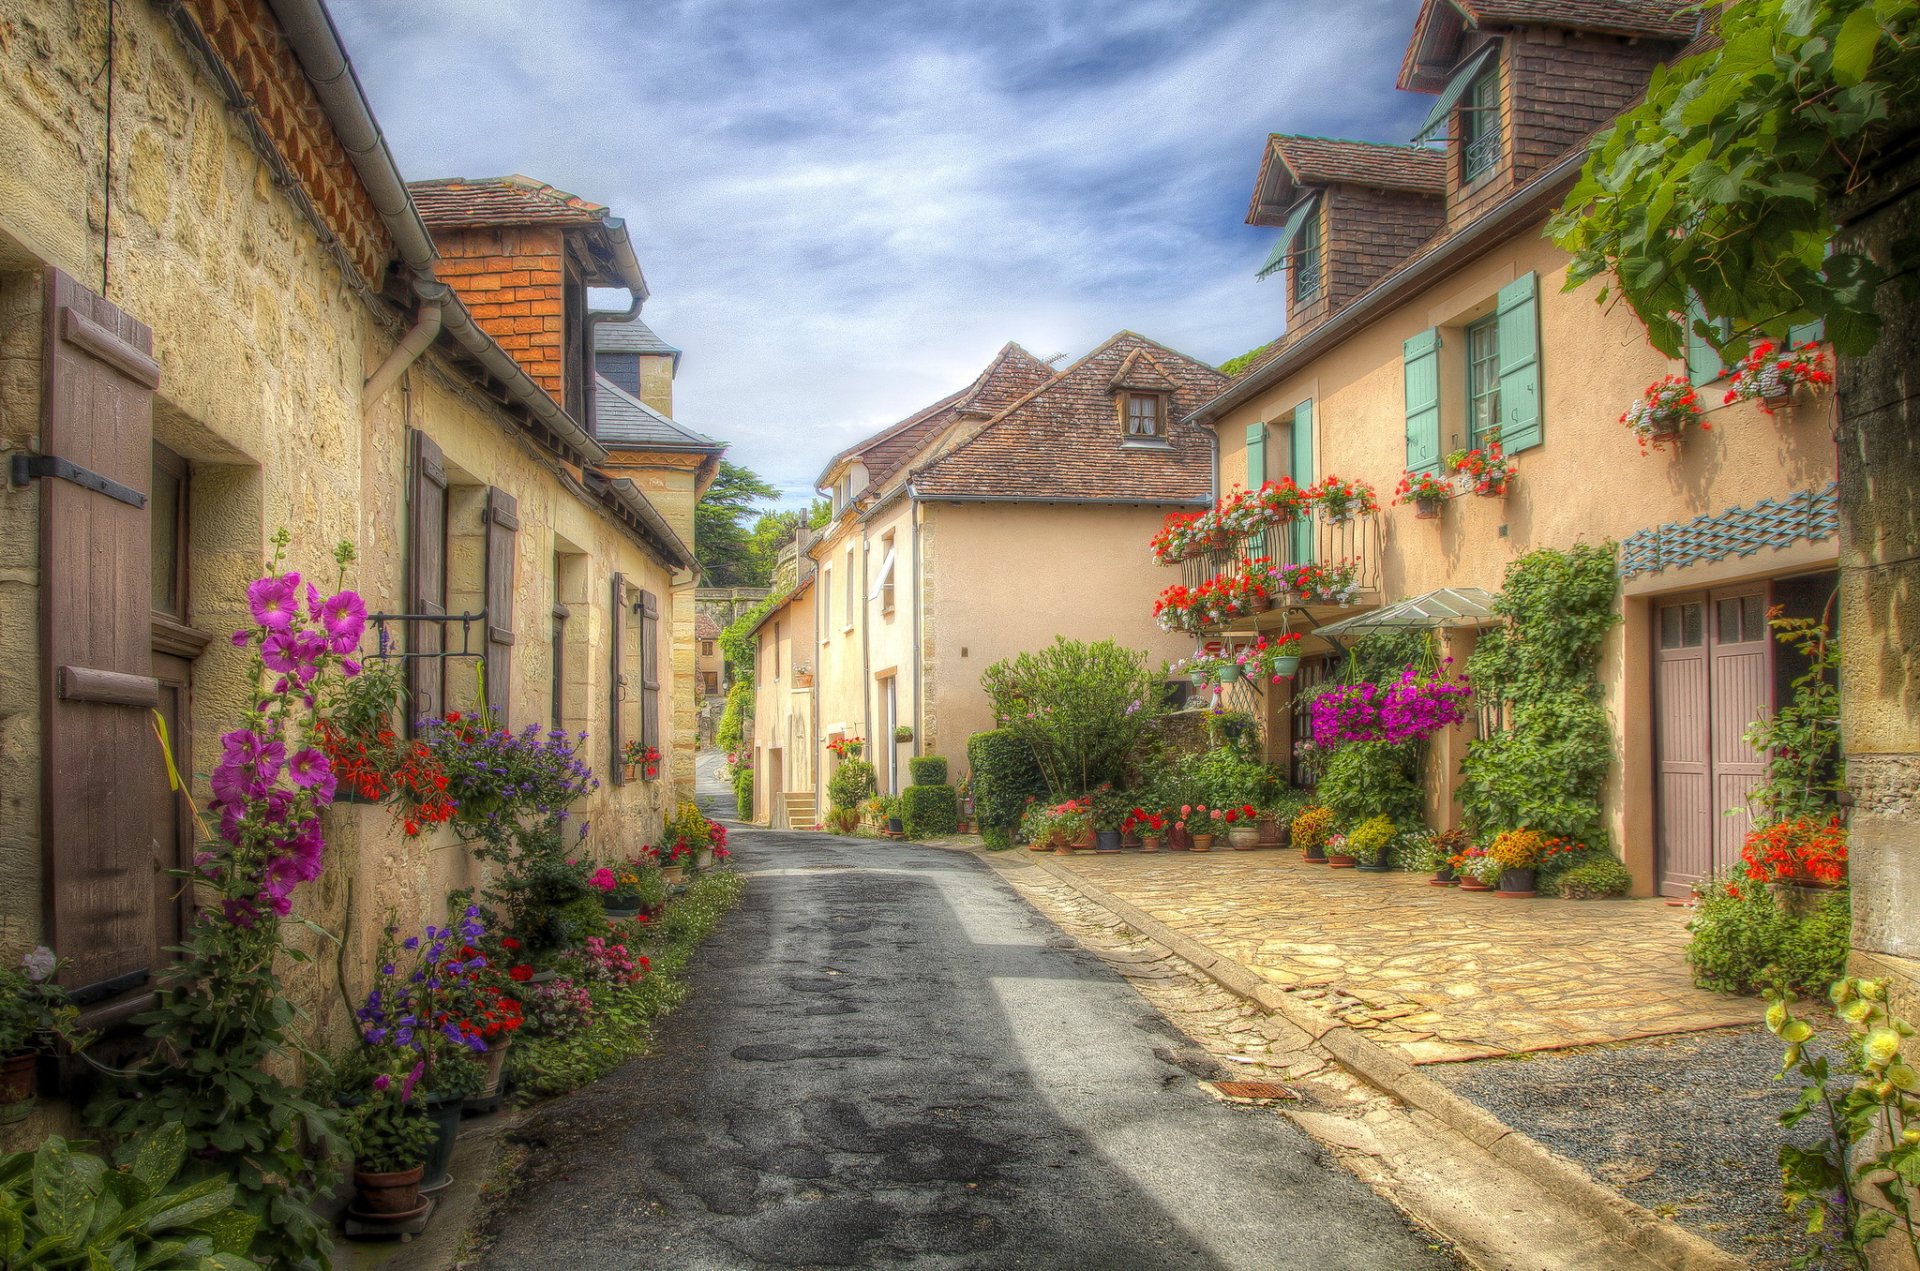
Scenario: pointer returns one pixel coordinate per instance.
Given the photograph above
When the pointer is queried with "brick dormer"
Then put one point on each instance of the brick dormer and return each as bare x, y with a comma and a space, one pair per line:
521, 255
1348, 211
1519, 84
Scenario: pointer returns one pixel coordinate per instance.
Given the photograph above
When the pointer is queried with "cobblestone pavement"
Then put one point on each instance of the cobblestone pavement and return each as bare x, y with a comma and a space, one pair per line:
1435, 973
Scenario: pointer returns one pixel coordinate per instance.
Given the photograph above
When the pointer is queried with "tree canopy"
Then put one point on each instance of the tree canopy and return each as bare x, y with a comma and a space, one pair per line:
720, 536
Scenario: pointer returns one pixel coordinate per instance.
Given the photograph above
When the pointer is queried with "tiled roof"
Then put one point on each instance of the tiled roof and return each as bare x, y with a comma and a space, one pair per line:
1673, 19
628, 337
1141, 370
705, 626
1011, 375
1325, 161
510, 200
1063, 440
622, 421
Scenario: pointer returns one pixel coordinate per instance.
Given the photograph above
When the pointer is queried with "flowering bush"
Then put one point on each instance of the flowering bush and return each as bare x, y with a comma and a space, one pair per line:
1487, 470
1525, 849
604, 961
1768, 374
1261, 659
1663, 412
1369, 840
1803, 850
1141, 821
428, 996
388, 1132
1341, 501
645, 758
1312, 827
1417, 487
558, 1008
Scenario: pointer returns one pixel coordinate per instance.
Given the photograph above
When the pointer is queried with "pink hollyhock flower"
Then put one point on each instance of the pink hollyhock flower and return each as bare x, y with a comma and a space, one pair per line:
280, 651
274, 601
603, 879
345, 617
308, 768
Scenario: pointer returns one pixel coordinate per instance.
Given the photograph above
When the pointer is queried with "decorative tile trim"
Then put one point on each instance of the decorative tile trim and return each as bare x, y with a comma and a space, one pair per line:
1808, 515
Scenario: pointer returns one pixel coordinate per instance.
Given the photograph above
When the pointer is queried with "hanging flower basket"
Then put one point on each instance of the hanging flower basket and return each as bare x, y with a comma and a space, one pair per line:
1485, 471
1771, 377
1661, 416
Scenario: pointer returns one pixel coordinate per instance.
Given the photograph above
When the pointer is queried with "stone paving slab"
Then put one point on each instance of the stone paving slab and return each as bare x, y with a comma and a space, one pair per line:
1436, 974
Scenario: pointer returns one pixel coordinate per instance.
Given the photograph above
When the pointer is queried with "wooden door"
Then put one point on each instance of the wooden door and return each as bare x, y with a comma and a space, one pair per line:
1684, 771
776, 813
1741, 681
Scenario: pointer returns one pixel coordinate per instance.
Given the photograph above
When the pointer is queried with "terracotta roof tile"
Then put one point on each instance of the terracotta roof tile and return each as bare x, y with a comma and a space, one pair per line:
1327, 161
509, 200
1141, 370
1673, 19
705, 626
1063, 439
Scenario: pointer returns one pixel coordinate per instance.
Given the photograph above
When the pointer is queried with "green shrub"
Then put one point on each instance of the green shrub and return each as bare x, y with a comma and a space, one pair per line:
731, 732
1083, 708
929, 811
1813, 949
1597, 878
998, 837
1222, 779
852, 783
928, 770
743, 793
1004, 775
1367, 779
1740, 930
1369, 840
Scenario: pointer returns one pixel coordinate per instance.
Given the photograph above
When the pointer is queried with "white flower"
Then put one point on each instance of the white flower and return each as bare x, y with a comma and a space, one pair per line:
40, 964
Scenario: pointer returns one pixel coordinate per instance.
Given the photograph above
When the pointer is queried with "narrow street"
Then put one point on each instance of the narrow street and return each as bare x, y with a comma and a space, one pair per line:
890, 1060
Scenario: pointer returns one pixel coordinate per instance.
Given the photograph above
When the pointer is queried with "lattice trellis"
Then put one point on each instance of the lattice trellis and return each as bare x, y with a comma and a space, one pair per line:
1808, 515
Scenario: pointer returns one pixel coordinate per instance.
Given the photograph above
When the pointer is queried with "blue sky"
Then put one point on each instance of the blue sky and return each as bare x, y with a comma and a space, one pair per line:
844, 207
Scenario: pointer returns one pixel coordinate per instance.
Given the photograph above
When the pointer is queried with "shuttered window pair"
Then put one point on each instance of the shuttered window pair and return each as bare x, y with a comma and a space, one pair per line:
1504, 383
1299, 467
427, 585
642, 618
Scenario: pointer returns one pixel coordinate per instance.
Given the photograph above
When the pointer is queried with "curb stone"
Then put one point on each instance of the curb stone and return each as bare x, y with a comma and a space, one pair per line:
1663, 1242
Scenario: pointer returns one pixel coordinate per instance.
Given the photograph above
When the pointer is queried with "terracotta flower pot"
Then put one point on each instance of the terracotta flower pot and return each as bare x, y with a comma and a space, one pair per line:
390, 1195
1443, 877
1268, 830
1243, 837
1178, 840
16, 1078
1469, 883
1199, 842
1150, 842
1315, 855
1427, 508
674, 875
1085, 842
1341, 861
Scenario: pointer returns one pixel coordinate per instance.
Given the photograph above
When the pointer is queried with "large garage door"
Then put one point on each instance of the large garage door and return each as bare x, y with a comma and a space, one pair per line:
1713, 677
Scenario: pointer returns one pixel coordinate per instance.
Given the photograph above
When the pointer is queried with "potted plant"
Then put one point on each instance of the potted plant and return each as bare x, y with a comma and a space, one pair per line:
1663, 412
903, 733
641, 762
1475, 869
1072, 826
1427, 491
1485, 470
1798, 860
1312, 827
1338, 854
619, 890
34, 1012
391, 1137
1369, 842
1036, 825
1270, 659
847, 747
1200, 826
1437, 852
1243, 827
1771, 375
802, 675
1110, 810
1149, 827
1340, 501
1519, 854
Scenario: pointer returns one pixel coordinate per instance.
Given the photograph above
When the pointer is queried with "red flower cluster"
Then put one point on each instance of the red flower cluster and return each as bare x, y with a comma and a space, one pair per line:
1802, 850
388, 767
1142, 821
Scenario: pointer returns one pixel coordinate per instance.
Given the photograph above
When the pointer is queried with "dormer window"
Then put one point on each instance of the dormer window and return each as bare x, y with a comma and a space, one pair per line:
1306, 252
1480, 126
1145, 421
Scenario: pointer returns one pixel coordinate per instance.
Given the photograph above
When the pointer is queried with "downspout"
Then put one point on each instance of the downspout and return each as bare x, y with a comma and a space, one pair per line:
1213, 472
914, 510
866, 661
636, 283
426, 326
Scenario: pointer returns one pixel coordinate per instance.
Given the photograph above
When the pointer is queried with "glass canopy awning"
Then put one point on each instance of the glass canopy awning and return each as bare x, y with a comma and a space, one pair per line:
1447, 607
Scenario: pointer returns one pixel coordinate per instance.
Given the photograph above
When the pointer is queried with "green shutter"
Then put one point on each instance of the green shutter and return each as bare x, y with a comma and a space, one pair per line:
1422, 381
1256, 456
1519, 340
1300, 468
1806, 333
1703, 360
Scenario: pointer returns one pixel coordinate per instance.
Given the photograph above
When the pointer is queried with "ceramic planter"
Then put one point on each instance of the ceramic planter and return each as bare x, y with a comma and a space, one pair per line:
1340, 860
705, 858
1178, 840
1285, 665
1516, 884
1199, 842
1469, 883
1199, 678
445, 1113
1243, 838
1150, 842
487, 1098
674, 875
1376, 867
1229, 673
1106, 841
1427, 507
388, 1195
1129, 838
1269, 831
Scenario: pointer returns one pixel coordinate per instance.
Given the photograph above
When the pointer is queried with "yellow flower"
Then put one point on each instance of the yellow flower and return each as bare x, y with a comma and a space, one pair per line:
1776, 1017
1881, 1047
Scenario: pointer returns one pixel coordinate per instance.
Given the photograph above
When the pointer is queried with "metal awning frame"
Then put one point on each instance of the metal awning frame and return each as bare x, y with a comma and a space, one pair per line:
1445, 608
1456, 89
1296, 219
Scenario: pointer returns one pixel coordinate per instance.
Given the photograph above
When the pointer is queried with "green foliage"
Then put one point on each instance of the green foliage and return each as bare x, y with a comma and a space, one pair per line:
1368, 842
1865, 1174
62, 1208
1005, 775
998, 838
1742, 934
731, 732
1380, 656
1801, 740
929, 811
1235, 365
1547, 769
388, 1134
624, 1015
853, 783
1722, 184
1597, 878
1083, 708
743, 792
720, 540
1237, 731
34, 1012
928, 770
1368, 779
1219, 779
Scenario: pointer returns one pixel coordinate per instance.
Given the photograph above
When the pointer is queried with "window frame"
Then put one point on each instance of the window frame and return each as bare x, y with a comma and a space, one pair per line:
1305, 276
1480, 133
1156, 416
1487, 362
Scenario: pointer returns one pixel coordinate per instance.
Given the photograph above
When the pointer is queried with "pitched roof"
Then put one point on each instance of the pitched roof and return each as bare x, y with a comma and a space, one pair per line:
453, 202
1011, 375
1438, 44
622, 421
1294, 164
1141, 370
634, 336
705, 625
1062, 441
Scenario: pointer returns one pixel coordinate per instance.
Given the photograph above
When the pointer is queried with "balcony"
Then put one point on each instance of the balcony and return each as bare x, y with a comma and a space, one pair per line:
1311, 539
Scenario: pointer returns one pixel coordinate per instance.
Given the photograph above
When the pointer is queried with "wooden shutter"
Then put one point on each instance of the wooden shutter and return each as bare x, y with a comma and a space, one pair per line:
1806, 333
649, 669
96, 606
1256, 456
1300, 461
1703, 360
1518, 336
1420, 376
426, 575
616, 643
503, 523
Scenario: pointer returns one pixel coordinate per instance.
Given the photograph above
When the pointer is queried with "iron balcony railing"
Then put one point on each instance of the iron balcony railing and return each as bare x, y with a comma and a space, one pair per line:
1311, 539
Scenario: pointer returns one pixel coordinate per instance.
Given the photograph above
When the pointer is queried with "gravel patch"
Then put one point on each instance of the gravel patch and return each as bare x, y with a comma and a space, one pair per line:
1687, 1126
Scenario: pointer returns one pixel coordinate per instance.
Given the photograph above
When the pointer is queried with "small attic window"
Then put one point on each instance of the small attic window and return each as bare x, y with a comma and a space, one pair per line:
1146, 418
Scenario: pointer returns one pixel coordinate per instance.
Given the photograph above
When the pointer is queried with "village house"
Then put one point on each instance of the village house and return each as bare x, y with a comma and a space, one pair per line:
785, 646
983, 526
223, 313
1426, 313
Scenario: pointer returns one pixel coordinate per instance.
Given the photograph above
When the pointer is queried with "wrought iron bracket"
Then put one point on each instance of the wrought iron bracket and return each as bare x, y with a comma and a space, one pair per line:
26, 468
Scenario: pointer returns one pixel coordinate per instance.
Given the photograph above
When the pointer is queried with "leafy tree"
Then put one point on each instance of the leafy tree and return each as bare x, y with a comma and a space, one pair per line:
1083, 708
1715, 197
720, 538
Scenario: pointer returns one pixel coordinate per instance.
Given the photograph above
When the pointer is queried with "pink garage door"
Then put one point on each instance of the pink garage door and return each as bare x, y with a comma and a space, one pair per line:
1713, 671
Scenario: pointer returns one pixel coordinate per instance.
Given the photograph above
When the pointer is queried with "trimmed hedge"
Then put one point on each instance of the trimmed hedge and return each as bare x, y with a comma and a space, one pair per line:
852, 784
1004, 774
928, 770
743, 794
929, 811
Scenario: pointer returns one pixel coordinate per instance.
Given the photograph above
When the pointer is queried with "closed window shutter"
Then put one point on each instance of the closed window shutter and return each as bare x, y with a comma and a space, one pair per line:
1519, 340
503, 524
616, 641
1300, 464
1806, 333
649, 670
98, 759
1703, 360
1420, 376
1256, 456
427, 576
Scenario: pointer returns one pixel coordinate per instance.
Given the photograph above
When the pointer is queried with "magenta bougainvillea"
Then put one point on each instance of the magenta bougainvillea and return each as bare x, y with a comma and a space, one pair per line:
1413, 707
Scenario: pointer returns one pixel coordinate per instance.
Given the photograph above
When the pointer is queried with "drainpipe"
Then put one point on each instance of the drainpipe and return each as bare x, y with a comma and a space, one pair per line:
636, 284
426, 326
1213, 474
914, 510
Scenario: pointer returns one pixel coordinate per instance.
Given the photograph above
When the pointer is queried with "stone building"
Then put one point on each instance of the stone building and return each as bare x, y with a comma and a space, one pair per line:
223, 314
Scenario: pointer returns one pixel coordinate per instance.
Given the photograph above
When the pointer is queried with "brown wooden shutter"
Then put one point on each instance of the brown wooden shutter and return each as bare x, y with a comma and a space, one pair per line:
616, 641
426, 575
649, 669
96, 607
503, 521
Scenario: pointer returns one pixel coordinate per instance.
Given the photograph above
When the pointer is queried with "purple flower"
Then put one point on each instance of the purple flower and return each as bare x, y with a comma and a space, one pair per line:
382, 1082
413, 1078
310, 769
274, 601
345, 618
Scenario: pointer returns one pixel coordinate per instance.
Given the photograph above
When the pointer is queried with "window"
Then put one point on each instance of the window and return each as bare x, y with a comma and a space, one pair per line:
1480, 127
1483, 380
1143, 415
1306, 268
849, 589
167, 533
706, 648
883, 587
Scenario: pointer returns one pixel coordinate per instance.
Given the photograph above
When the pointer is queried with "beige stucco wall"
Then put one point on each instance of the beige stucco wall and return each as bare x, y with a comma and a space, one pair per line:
264, 346
783, 704
839, 659
1005, 578
1586, 482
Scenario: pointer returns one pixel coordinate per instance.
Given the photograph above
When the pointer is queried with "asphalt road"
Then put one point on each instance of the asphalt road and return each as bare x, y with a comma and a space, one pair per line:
890, 1060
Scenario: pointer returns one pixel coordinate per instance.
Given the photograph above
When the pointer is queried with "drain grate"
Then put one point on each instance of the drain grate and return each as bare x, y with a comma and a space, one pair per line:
1253, 1090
